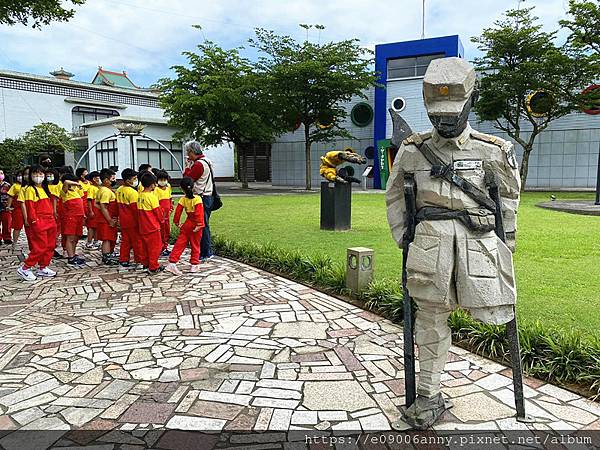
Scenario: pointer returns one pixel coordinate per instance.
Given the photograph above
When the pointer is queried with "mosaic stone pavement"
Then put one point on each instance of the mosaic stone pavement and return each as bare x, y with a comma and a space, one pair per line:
127, 356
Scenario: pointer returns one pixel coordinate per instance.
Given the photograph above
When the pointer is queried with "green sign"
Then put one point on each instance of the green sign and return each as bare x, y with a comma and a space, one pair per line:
382, 159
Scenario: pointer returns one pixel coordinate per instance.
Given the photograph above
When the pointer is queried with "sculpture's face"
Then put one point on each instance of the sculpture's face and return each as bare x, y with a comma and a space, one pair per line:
451, 126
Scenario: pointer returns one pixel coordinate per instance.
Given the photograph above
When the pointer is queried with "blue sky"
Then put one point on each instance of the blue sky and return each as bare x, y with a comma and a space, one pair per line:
146, 37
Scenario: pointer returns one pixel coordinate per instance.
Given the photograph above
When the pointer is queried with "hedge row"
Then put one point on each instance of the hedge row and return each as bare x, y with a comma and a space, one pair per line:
558, 356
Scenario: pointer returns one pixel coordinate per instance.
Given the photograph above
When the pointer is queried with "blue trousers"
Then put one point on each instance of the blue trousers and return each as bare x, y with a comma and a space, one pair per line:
205, 242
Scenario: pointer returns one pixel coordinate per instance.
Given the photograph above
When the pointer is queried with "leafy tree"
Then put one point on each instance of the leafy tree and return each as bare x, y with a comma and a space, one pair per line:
311, 81
220, 97
584, 23
520, 59
13, 152
48, 138
36, 12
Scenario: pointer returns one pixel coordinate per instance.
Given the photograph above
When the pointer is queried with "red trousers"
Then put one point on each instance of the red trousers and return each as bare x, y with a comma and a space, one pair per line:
6, 223
41, 245
186, 235
165, 232
130, 240
150, 248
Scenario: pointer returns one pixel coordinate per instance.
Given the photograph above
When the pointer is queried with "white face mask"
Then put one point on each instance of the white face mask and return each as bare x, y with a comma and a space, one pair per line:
38, 179
135, 183
19, 179
162, 183
50, 179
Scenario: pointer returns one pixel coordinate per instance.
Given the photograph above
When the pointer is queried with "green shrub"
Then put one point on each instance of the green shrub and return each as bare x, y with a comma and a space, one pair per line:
550, 354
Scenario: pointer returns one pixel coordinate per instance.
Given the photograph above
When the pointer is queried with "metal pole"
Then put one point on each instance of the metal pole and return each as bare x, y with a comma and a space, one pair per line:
89, 149
132, 152
167, 149
423, 22
598, 179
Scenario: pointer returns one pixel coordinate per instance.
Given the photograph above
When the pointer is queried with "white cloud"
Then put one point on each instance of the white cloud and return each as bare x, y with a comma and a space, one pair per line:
146, 37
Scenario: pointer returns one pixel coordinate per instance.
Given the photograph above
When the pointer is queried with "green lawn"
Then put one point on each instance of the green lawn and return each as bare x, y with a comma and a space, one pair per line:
557, 259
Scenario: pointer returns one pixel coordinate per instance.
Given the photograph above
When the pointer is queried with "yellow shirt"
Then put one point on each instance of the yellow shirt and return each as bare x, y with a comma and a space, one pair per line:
105, 195
14, 190
92, 191
71, 194
163, 194
56, 189
126, 195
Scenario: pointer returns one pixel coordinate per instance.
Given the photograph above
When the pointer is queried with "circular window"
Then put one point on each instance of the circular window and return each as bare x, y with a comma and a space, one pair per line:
370, 152
398, 104
361, 114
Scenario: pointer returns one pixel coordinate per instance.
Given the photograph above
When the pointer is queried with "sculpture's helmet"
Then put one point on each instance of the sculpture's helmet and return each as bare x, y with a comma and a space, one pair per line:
449, 92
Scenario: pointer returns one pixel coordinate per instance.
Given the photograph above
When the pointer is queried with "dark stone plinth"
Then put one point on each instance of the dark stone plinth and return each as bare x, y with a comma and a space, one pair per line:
584, 207
336, 211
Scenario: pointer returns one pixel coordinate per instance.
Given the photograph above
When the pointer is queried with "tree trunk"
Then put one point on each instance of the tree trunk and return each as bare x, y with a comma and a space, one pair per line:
307, 144
525, 165
243, 152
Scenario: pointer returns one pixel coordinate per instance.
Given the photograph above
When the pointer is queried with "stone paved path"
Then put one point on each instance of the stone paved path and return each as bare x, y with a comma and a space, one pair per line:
230, 348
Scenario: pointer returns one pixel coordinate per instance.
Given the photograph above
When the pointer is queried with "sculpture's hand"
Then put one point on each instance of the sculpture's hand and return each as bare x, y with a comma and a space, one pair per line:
353, 158
340, 180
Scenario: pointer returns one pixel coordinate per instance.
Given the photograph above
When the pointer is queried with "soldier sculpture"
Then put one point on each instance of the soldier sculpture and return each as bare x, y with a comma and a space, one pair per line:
457, 256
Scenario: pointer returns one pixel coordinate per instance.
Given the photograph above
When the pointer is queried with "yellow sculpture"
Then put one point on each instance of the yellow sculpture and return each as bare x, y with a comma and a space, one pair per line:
331, 160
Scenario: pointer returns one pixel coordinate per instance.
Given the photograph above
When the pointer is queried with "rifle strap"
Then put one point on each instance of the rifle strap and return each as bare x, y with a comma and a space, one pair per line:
440, 169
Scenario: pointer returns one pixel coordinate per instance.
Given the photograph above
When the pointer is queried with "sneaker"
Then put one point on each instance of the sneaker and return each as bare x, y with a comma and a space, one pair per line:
97, 244
90, 246
73, 261
172, 267
26, 274
195, 268
46, 272
207, 258
165, 253
57, 255
156, 271
107, 260
8, 242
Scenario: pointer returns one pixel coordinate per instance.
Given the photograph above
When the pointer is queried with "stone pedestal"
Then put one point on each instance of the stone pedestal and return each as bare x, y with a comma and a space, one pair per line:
336, 211
359, 268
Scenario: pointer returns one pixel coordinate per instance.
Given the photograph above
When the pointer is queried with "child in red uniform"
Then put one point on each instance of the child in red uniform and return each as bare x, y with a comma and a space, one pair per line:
72, 217
5, 213
127, 198
40, 226
108, 213
191, 230
163, 192
21, 199
14, 207
55, 188
91, 219
149, 216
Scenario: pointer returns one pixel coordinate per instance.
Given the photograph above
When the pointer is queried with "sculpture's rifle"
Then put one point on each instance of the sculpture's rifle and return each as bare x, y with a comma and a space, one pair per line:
410, 199
512, 330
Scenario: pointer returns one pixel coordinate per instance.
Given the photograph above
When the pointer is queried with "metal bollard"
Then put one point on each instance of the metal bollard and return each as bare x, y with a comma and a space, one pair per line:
359, 268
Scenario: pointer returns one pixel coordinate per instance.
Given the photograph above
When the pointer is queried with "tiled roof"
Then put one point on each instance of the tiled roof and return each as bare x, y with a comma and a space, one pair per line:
113, 79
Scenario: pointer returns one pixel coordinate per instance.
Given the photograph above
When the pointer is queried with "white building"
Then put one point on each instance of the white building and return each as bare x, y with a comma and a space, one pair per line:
91, 111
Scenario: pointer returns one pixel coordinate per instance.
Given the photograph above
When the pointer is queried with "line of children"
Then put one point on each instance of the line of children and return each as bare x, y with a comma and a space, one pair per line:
54, 206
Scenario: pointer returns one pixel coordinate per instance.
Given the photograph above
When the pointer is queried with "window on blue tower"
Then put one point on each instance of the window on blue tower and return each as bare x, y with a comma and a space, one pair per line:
410, 67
